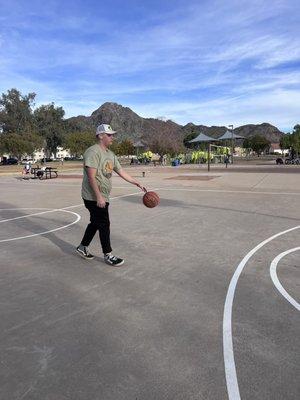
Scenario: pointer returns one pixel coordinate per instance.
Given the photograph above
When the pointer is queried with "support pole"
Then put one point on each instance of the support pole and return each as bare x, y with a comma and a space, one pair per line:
232, 143
208, 157
227, 157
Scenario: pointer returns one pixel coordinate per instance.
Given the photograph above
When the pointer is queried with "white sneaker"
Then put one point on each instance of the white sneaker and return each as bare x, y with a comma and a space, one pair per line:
113, 260
83, 251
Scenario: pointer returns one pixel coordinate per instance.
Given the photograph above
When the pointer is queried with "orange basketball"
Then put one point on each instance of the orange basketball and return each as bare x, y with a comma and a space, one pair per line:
151, 199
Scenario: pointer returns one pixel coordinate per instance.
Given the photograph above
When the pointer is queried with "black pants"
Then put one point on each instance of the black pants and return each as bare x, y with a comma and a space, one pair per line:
99, 221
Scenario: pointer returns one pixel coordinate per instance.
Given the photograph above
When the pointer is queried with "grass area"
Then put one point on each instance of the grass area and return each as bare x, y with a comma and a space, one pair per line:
75, 165
67, 166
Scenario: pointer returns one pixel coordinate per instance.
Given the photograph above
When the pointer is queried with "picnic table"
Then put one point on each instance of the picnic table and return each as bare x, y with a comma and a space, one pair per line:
44, 173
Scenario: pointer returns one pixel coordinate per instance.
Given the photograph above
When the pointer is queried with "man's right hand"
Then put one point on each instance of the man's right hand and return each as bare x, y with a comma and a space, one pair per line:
101, 202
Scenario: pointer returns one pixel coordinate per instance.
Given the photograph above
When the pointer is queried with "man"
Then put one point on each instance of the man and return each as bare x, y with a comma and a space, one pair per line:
98, 164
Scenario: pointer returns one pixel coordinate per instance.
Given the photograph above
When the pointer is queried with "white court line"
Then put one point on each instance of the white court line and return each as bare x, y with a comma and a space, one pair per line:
226, 191
112, 198
45, 232
29, 215
64, 209
230, 369
186, 190
24, 208
55, 209
59, 184
275, 279
211, 190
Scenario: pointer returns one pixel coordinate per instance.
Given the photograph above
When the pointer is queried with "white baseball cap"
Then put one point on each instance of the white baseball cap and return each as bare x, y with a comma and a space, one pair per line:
104, 128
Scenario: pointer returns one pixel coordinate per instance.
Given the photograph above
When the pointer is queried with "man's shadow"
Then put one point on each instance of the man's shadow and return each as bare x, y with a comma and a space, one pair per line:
35, 227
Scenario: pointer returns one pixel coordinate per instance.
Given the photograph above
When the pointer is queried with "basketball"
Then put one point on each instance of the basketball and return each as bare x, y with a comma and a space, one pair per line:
151, 199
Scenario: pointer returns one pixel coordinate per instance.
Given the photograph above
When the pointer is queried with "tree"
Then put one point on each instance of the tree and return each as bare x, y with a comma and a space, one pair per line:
126, 148
285, 142
295, 139
190, 136
257, 143
164, 141
78, 142
165, 144
50, 125
114, 147
247, 145
16, 145
16, 112
296, 129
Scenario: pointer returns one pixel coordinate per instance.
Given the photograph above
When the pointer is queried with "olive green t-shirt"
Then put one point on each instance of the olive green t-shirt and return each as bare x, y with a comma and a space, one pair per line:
105, 162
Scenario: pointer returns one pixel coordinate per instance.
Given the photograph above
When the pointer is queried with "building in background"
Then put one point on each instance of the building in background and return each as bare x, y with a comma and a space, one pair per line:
275, 148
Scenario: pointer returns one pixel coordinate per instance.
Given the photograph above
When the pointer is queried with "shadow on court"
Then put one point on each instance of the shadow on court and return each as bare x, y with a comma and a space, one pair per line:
31, 225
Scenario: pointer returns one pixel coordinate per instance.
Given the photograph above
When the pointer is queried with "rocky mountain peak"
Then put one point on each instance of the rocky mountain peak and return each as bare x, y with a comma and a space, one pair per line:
131, 125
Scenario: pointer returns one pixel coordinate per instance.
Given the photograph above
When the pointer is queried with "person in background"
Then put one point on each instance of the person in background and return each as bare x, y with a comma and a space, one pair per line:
27, 167
98, 164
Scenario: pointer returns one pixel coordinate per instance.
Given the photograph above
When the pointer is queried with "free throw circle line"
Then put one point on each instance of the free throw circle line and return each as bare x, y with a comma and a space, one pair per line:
276, 281
24, 208
49, 231
52, 210
29, 215
64, 209
230, 369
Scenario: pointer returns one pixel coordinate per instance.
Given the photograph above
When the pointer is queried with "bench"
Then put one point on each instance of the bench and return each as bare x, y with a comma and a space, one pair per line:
47, 173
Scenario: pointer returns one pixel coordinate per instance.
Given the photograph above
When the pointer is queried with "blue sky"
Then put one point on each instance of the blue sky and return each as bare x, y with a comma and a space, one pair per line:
212, 62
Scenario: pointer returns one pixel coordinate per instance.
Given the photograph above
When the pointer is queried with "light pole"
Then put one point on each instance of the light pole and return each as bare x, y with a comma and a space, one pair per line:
231, 126
208, 157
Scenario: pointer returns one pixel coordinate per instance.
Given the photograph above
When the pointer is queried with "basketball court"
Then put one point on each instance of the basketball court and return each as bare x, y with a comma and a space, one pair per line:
206, 305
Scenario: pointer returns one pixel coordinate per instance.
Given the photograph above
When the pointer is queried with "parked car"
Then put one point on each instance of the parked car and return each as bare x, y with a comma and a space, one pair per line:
26, 160
41, 160
73, 158
10, 161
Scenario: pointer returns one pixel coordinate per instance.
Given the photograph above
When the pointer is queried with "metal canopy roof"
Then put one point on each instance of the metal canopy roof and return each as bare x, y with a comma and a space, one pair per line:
202, 138
230, 135
138, 143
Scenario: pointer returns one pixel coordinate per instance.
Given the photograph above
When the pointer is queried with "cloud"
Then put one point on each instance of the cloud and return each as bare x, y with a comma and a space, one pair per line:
238, 110
209, 59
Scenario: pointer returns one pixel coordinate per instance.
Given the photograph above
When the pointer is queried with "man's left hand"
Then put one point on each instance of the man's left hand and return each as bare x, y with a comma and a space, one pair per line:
141, 187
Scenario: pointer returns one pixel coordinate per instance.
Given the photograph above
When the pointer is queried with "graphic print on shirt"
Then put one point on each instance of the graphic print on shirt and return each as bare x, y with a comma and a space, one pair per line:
107, 168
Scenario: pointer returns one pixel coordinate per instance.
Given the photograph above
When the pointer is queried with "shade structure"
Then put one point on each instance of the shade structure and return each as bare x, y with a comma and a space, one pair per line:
138, 144
202, 138
230, 135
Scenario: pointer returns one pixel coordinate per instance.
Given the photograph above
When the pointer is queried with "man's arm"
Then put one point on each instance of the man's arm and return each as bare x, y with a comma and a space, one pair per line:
91, 173
123, 174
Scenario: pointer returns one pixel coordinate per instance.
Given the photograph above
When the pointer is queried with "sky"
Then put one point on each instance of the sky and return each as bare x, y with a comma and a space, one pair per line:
211, 62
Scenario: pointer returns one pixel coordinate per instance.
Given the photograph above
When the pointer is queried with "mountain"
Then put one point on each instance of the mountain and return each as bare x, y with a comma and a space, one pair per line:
131, 125
123, 120
213, 131
269, 131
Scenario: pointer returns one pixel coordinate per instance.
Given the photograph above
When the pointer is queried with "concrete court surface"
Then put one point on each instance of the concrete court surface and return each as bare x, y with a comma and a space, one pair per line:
194, 312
